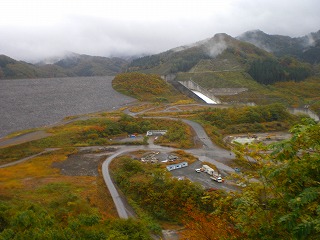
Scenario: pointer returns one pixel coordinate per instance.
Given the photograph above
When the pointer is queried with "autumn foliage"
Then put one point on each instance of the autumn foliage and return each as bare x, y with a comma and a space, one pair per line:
146, 87
203, 226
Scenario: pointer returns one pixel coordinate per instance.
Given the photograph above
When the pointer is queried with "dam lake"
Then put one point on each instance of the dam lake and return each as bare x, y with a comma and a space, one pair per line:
32, 103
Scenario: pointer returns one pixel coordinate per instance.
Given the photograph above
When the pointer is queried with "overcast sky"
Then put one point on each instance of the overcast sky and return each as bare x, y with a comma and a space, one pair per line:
35, 29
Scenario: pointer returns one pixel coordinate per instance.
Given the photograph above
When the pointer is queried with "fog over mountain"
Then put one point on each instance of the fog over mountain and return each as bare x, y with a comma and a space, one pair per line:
35, 30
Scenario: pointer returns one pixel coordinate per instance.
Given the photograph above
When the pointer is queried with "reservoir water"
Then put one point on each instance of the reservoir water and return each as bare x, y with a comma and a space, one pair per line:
31, 103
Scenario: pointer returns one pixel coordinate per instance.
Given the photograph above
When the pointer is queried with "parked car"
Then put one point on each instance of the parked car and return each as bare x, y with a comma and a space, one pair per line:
217, 178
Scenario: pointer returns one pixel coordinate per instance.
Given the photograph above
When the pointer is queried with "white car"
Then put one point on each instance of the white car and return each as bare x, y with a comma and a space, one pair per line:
217, 179
198, 170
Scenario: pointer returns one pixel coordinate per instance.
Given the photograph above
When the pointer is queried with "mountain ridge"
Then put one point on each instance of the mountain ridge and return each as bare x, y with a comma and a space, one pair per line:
244, 48
71, 66
280, 45
184, 58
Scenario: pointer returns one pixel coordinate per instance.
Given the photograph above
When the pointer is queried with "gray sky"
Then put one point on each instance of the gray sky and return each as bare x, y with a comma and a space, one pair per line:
35, 29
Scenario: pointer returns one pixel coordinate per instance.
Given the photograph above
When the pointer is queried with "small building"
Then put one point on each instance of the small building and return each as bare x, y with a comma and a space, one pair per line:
177, 166
156, 132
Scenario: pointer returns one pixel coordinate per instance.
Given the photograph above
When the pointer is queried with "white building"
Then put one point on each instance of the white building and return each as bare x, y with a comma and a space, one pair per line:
177, 166
156, 132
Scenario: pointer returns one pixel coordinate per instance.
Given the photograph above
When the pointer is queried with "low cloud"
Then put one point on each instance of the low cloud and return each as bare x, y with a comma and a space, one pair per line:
146, 30
93, 37
216, 46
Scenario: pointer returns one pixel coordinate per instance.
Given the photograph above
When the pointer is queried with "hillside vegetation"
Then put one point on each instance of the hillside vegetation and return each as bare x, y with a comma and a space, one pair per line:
269, 71
38, 202
146, 87
183, 59
306, 48
71, 66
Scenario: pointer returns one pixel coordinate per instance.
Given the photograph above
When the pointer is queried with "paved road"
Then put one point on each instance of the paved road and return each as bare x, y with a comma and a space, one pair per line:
112, 189
211, 149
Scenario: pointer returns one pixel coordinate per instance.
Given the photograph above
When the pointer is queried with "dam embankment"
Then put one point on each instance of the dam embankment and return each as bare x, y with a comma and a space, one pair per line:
32, 103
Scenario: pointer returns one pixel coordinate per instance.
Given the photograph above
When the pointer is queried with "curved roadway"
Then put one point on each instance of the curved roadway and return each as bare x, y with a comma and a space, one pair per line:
112, 189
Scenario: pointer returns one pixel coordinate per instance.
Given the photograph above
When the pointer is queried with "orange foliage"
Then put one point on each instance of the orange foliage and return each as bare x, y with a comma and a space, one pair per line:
146, 87
202, 226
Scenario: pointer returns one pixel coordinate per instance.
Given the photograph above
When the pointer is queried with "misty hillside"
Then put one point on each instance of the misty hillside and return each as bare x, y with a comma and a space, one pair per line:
219, 53
85, 65
253, 56
70, 66
11, 69
306, 48
239, 71
184, 58
223, 61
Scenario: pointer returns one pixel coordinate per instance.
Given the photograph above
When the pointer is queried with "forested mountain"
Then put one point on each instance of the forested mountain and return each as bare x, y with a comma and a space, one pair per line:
85, 65
226, 59
306, 48
69, 66
183, 59
10, 68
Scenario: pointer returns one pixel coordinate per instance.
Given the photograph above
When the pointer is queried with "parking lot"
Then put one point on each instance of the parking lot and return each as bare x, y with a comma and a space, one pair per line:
202, 178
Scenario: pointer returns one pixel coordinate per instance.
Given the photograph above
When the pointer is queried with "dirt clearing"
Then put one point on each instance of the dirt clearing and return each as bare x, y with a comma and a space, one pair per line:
85, 162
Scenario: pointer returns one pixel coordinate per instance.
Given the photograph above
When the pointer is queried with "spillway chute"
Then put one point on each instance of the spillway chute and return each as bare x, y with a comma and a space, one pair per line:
204, 97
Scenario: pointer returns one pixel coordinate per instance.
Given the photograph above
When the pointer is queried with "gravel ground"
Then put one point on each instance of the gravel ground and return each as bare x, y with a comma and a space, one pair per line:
85, 162
202, 178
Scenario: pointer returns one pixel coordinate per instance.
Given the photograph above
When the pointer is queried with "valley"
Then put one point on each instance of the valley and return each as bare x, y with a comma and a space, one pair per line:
78, 135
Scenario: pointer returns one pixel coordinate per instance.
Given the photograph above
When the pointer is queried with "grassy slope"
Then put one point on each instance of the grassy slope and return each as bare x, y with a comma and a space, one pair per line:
146, 87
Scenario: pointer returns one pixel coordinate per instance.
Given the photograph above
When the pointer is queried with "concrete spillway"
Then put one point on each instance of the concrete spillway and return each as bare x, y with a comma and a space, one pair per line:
199, 92
204, 97
195, 91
